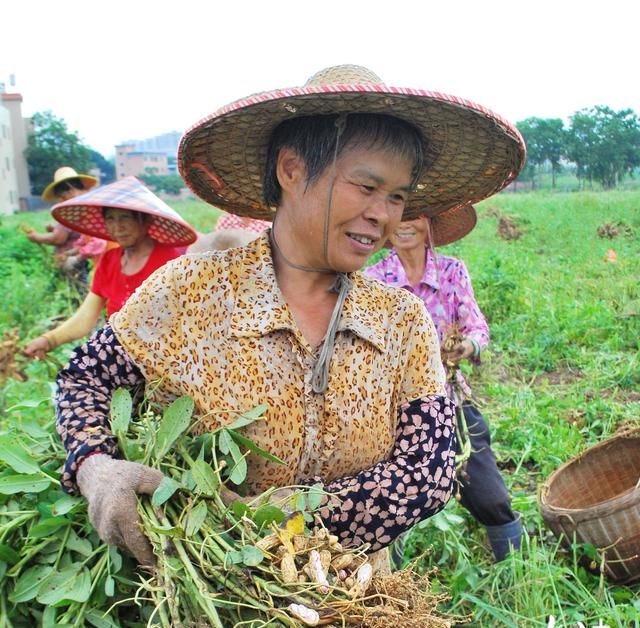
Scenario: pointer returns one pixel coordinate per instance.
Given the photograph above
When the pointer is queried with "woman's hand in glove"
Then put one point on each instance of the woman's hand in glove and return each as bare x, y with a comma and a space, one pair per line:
111, 486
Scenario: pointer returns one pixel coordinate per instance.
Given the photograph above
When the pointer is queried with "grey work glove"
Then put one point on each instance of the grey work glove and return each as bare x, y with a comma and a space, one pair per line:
110, 486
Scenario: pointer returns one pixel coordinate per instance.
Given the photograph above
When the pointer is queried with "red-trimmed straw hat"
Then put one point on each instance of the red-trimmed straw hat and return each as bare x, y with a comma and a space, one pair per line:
470, 152
64, 174
84, 213
452, 225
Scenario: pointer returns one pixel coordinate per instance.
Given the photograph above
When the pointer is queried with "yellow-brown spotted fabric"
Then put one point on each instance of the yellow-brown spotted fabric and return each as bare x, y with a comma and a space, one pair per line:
216, 327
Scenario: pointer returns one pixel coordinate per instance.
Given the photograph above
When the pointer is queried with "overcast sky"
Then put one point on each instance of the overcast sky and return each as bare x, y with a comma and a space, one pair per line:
121, 70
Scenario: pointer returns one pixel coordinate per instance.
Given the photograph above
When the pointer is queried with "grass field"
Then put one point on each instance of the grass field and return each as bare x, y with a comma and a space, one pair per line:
562, 374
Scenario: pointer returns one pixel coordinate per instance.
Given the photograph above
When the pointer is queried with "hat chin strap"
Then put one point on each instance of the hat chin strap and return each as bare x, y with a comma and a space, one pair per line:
341, 285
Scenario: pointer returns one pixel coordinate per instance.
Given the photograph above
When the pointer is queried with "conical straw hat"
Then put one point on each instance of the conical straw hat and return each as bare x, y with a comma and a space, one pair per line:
84, 213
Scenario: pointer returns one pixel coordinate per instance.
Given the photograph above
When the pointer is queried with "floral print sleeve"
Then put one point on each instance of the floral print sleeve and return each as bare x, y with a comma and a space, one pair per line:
378, 504
83, 398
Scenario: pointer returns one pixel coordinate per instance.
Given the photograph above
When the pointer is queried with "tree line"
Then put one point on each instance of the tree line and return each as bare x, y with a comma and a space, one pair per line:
603, 144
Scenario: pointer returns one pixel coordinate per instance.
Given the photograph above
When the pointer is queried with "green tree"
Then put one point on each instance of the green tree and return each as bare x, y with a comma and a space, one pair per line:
51, 145
107, 168
604, 144
169, 183
546, 141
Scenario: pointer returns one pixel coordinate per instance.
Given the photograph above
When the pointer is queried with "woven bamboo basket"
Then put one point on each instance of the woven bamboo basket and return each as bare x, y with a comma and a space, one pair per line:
595, 498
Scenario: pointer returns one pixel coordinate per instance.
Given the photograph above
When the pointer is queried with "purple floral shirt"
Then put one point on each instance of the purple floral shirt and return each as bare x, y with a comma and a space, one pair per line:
445, 289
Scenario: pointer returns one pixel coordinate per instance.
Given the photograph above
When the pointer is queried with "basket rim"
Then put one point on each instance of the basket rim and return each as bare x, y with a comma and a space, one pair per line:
618, 502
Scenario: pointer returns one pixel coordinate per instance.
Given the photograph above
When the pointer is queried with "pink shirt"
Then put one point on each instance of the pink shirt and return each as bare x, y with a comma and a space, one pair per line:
231, 221
445, 289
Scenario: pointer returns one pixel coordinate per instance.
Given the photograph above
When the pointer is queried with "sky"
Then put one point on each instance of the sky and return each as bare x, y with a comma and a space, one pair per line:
134, 69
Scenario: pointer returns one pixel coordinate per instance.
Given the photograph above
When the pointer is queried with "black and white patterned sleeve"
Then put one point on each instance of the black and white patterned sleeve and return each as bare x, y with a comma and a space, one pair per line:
380, 503
83, 398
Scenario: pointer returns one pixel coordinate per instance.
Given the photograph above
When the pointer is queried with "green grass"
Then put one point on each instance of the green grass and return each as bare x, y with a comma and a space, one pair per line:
562, 374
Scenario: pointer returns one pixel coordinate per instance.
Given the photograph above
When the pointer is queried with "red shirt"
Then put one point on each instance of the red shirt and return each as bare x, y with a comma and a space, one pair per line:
110, 283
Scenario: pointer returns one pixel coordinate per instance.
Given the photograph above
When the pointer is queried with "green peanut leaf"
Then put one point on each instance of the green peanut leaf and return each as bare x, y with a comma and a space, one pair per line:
175, 420
29, 582
14, 454
249, 444
196, 518
64, 505
121, 410
72, 583
166, 489
47, 526
248, 417
205, 478
8, 554
31, 483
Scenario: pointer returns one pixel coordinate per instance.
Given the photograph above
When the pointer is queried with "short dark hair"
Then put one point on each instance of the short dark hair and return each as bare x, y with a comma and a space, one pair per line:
67, 184
314, 139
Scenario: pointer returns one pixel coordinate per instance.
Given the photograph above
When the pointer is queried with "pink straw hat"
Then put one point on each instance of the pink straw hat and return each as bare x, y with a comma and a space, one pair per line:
84, 213
471, 152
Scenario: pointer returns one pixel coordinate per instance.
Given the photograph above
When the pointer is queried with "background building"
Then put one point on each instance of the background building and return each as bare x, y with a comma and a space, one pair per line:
15, 189
133, 162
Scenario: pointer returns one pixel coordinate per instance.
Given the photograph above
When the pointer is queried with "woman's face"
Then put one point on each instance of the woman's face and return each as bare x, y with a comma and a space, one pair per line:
410, 235
362, 198
127, 228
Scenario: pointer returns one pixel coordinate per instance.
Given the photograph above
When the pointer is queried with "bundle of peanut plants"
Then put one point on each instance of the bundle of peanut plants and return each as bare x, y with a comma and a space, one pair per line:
251, 564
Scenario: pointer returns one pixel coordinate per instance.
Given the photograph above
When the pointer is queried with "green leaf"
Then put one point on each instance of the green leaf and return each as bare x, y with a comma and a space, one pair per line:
196, 518
175, 420
109, 586
29, 582
121, 410
251, 555
47, 526
165, 490
205, 478
72, 583
27, 404
240, 509
224, 441
169, 530
65, 504
249, 444
14, 454
32, 483
31, 427
100, 619
77, 544
248, 417
235, 557
8, 554
238, 473
314, 496
268, 514
115, 558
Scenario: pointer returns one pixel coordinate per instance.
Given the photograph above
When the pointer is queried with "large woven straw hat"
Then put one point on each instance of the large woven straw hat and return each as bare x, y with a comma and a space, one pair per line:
63, 174
84, 213
471, 152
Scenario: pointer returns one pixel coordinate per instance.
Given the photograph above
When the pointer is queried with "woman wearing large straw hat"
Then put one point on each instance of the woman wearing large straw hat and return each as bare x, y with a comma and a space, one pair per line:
349, 368
444, 286
147, 232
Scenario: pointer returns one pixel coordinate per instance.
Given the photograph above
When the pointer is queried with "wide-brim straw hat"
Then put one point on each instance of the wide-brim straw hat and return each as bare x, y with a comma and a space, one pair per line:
449, 226
84, 213
63, 174
470, 152
452, 225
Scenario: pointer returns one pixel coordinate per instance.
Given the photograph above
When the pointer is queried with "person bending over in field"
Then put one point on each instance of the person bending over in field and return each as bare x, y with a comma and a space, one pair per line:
444, 286
349, 368
148, 234
72, 250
